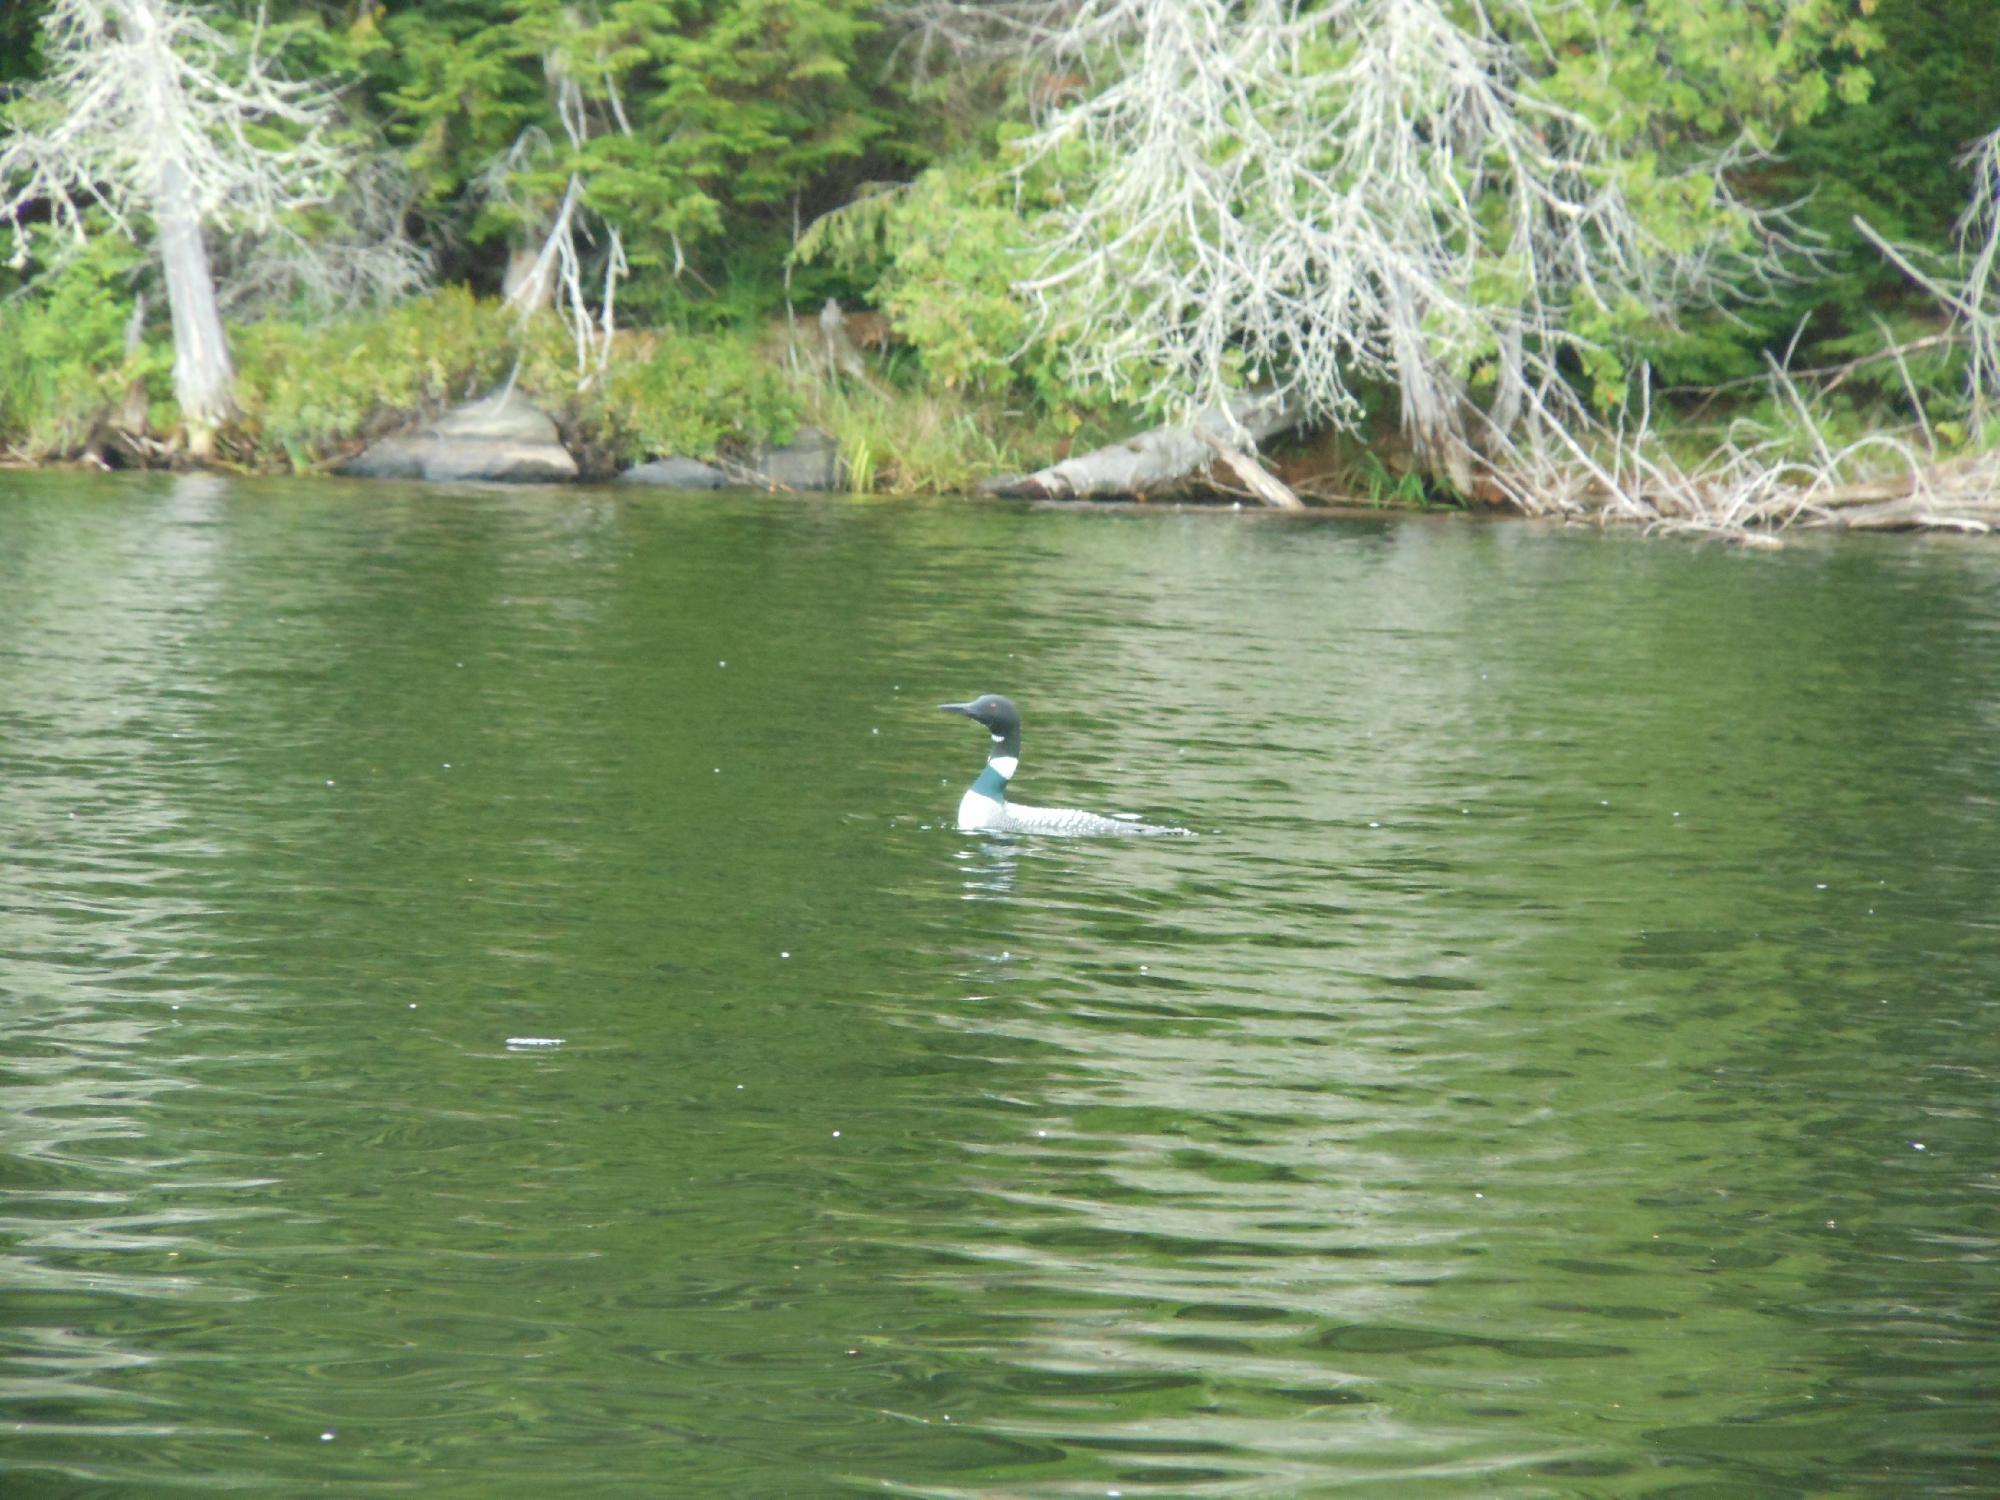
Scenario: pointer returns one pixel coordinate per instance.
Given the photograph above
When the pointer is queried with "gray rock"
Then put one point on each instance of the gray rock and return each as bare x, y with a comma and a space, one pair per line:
676, 474
504, 437
810, 461
508, 417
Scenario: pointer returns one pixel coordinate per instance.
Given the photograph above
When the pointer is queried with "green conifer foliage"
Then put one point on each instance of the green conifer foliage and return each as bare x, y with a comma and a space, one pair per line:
1895, 156
19, 32
697, 121
1890, 153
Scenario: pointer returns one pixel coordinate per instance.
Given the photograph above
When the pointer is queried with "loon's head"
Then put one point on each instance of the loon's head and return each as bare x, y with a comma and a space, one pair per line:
998, 714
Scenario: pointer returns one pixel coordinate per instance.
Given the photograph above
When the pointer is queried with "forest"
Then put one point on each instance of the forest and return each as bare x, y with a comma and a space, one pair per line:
1716, 265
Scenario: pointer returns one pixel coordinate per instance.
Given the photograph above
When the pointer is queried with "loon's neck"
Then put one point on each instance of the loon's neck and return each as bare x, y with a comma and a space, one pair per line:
984, 804
1000, 768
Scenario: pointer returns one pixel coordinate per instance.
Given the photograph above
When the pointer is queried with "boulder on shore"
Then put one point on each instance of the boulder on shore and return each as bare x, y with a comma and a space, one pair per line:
504, 437
810, 461
677, 474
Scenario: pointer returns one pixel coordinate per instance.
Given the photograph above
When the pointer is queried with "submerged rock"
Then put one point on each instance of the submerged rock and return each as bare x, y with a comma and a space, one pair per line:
677, 474
504, 437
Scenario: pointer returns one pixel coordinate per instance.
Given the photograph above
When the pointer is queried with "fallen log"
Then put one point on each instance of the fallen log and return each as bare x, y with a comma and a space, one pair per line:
1161, 459
1960, 494
1260, 481
1919, 513
1969, 472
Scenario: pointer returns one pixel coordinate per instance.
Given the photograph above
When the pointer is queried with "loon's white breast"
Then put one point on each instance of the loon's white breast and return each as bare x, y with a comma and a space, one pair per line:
985, 808
984, 805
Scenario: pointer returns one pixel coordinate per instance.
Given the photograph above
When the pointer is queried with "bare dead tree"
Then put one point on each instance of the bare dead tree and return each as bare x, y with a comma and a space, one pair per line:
1978, 296
357, 252
556, 270
1968, 292
939, 34
150, 113
1326, 193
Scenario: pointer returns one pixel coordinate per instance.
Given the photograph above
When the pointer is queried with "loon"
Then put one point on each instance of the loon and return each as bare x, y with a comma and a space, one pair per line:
985, 806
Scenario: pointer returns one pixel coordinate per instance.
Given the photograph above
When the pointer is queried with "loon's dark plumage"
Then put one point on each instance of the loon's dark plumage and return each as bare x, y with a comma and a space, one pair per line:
985, 806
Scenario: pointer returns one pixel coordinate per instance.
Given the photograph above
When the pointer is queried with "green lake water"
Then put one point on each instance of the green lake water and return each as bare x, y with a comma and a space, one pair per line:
1566, 1064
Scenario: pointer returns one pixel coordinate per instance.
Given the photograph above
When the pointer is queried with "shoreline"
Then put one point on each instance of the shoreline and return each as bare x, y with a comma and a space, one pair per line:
1221, 505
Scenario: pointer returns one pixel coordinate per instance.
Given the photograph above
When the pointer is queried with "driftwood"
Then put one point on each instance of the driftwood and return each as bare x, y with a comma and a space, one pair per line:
1260, 481
1960, 494
1163, 458
1920, 513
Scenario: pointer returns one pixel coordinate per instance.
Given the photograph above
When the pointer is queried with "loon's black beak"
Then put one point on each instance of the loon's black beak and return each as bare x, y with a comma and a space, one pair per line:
956, 708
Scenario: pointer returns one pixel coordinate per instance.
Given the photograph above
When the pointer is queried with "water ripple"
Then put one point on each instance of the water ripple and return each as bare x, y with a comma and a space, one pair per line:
1564, 1065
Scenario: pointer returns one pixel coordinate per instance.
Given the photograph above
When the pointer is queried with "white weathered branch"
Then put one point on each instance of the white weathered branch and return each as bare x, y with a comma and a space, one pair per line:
135, 85
355, 253
1979, 243
558, 265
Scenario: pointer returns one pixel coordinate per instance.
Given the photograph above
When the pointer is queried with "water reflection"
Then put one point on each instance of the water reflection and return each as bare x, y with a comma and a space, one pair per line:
109, 894
989, 867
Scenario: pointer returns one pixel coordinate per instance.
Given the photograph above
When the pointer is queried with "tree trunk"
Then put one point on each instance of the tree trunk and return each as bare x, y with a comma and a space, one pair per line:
204, 378
842, 357
530, 282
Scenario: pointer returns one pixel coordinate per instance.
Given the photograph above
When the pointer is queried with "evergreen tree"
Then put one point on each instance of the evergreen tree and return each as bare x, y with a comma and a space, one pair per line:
20, 38
684, 123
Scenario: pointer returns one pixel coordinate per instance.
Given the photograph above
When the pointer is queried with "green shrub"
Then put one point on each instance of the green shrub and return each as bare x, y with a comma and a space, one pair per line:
935, 440
63, 365
945, 253
692, 395
308, 391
